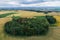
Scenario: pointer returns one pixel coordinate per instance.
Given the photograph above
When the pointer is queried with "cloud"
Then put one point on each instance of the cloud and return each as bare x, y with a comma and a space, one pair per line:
13, 3
9, 3
44, 4
24, 1
31, 0
28, 3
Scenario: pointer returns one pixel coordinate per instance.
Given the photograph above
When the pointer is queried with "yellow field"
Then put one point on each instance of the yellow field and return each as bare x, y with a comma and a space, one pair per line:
25, 14
58, 20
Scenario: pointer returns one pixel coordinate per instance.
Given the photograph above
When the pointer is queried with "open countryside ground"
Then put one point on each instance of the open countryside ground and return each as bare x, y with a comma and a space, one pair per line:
54, 33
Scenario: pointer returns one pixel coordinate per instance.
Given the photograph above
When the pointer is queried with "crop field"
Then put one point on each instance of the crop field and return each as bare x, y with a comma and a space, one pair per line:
54, 33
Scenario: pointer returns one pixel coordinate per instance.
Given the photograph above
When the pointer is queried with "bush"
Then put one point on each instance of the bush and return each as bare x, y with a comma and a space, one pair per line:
14, 18
27, 26
46, 12
51, 19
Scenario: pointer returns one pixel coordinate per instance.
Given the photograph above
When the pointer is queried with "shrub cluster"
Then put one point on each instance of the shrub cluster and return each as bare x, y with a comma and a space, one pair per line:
51, 19
46, 12
27, 26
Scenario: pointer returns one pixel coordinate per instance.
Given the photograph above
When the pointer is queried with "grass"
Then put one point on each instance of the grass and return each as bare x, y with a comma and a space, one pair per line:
6, 14
4, 19
58, 20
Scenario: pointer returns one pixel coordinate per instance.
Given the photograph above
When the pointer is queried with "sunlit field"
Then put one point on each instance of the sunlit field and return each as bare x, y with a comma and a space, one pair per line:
58, 20
29, 14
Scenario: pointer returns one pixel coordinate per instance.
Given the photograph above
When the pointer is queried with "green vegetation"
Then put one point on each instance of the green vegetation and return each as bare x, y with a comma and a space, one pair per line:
46, 12
51, 19
6, 14
27, 26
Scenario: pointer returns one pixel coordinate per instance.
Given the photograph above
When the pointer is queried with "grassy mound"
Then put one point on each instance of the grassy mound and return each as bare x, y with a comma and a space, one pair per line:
27, 26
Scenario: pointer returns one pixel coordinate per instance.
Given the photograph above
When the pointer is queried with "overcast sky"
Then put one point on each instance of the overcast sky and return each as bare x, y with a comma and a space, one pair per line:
29, 3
